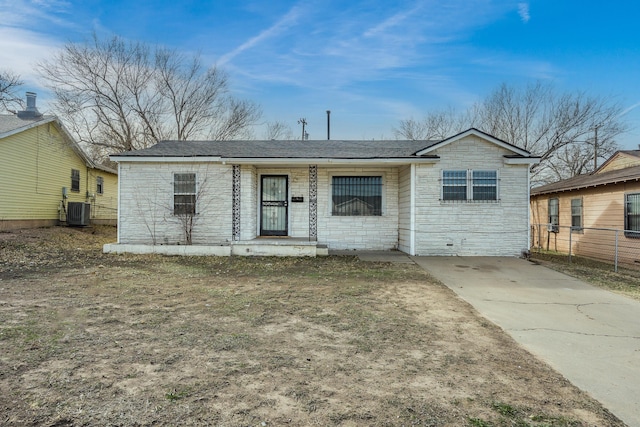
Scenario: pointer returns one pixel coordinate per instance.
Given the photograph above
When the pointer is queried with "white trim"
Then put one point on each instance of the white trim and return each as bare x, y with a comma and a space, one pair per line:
521, 161
412, 212
279, 161
478, 134
118, 224
175, 159
31, 125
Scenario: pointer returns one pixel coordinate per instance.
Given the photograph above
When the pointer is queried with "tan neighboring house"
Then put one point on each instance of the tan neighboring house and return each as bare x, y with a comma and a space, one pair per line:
45, 177
609, 198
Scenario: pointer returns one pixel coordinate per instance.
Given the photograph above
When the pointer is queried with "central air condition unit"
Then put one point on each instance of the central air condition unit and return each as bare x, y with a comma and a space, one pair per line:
78, 213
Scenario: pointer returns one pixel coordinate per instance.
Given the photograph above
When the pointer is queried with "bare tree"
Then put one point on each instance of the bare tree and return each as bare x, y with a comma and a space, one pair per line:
124, 96
436, 125
10, 82
547, 124
278, 130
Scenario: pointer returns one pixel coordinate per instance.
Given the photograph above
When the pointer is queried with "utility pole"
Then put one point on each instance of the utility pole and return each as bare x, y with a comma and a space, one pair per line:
303, 122
595, 148
328, 125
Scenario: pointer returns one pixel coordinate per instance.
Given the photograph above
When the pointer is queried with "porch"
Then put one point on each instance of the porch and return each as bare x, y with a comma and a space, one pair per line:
261, 246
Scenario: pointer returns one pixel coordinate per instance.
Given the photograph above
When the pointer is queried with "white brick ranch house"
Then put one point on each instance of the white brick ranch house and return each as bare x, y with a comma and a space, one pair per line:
465, 195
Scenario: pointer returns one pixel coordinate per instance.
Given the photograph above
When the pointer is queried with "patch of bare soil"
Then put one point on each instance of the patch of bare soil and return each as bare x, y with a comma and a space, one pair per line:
94, 339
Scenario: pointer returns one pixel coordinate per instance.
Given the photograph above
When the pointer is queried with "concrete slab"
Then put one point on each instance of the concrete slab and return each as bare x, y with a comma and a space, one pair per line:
376, 256
589, 335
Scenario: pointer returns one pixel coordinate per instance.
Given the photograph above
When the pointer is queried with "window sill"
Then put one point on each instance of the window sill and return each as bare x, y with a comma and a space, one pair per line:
446, 202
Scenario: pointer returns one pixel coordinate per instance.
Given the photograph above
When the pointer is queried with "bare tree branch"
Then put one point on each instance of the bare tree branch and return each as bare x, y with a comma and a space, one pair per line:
124, 96
10, 83
560, 128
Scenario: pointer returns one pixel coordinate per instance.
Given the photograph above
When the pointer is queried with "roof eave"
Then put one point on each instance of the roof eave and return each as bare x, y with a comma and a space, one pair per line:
28, 126
272, 160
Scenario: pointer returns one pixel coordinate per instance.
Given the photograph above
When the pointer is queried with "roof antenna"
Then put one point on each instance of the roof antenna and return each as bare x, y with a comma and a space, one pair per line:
303, 122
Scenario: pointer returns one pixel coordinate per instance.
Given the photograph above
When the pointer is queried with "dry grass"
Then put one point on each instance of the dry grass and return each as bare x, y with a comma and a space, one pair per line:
625, 281
94, 339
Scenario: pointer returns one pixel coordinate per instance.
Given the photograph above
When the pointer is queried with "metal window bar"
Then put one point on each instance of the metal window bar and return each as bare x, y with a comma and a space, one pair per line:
454, 185
357, 195
485, 185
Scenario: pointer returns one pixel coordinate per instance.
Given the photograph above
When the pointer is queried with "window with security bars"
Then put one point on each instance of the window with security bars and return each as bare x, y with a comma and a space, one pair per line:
576, 215
454, 185
632, 215
75, 180
469, 185
553, 209
485, 185
356, 195
184, 194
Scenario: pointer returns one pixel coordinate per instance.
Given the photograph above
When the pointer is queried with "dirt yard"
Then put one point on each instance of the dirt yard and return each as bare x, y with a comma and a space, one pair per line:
124, 340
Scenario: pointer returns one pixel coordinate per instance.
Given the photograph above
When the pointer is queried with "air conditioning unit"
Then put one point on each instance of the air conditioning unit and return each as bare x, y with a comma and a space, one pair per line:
78, 213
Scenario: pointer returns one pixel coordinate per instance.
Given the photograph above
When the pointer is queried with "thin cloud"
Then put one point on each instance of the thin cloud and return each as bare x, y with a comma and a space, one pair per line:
392, 21
523, 11
627, 110
289, 19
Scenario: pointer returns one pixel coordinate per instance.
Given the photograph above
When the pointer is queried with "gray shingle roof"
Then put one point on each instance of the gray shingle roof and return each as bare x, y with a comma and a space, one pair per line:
323, 149
10, 122
584, 181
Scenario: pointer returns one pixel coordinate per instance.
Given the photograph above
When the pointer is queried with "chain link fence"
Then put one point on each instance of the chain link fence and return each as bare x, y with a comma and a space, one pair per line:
614, 246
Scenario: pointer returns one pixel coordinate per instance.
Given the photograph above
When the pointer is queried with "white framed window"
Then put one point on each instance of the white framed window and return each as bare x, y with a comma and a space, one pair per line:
470, 185
553, 209
353, 195
184, 193
576, 215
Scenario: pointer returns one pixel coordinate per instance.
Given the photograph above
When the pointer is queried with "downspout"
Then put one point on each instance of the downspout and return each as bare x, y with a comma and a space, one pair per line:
412, 212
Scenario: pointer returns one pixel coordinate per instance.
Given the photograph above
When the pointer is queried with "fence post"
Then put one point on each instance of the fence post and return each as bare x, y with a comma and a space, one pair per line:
616, 259
570, 235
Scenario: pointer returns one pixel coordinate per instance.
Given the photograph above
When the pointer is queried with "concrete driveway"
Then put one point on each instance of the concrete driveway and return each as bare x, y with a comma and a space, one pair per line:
589, 335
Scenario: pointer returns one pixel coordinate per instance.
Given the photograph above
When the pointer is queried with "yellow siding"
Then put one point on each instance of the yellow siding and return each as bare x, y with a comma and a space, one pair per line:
103, 206
34, 167
602, 207
620, 161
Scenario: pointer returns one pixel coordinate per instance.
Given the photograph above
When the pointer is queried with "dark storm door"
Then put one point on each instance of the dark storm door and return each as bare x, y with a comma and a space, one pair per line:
273, 205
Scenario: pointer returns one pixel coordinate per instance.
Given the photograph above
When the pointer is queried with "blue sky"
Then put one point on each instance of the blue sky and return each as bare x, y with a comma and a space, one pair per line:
371, 63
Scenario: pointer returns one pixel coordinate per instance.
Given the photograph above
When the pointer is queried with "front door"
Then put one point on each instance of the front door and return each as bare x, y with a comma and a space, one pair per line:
273, 205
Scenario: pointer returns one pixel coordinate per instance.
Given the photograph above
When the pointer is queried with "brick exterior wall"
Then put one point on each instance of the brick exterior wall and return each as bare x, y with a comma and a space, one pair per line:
472, 228
146, 204
441, 228
362, 232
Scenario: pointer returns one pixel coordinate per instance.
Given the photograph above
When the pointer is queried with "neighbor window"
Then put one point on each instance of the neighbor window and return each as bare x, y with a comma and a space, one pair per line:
576, 214
554, 215
75, 180
470, 185
99, 185
184, 194
632, 215
356, 195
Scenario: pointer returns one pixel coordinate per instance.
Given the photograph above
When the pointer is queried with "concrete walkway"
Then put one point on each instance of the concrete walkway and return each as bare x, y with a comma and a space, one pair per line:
589, 335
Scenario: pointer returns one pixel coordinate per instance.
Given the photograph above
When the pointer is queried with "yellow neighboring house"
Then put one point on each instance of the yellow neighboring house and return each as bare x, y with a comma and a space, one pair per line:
45, 177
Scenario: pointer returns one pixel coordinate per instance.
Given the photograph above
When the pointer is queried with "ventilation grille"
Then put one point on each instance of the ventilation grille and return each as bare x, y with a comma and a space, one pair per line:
78, 213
